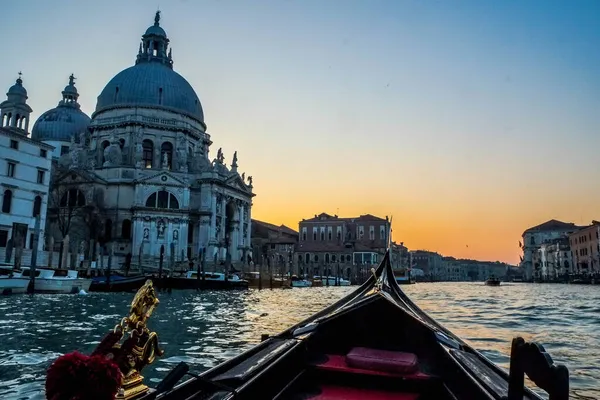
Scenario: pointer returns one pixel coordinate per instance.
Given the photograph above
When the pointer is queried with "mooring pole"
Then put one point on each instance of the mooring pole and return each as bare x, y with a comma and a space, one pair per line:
36, 235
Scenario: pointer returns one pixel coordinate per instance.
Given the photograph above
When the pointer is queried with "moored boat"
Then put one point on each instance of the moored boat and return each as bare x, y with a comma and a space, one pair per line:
492, 281
404, 277
55, 281
117, 283
11, 285
298, 282
331, 281
206, 280
375, 343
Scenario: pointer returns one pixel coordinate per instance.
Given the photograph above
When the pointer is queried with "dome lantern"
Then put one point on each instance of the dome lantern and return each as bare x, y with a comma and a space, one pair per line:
154, 45
15, 111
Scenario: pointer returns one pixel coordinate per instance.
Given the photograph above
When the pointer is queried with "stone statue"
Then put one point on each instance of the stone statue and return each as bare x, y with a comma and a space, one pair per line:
249, 181
165, 160
112, 153
83, 139
146, 233
244, 177
234, 163
220, 157
161, 228
182, 154
175, 235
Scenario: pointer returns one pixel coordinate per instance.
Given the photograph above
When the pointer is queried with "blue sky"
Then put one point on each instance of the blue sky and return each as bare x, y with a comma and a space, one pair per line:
463, 119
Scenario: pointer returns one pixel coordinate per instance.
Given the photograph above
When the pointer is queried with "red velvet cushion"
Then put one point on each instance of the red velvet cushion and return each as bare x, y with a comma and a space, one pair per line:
382, 360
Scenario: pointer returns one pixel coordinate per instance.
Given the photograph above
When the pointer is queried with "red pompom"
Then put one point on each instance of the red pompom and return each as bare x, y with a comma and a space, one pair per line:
75, 376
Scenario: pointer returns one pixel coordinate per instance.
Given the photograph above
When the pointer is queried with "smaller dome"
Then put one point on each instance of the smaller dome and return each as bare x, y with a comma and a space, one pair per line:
17, 89
63, 122
60, 124
155, 30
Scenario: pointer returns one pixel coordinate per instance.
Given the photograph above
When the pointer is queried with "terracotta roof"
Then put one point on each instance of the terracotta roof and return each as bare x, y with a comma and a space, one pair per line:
328, 217
281, 228
552, 225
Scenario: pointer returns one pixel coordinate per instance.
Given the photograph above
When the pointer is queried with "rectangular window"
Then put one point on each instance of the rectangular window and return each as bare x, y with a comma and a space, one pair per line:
10, 170
14, 144
371, 232
43, 153
40, 177
329, 232
304, 233
338, 233
361, 232
3, 238
314, 233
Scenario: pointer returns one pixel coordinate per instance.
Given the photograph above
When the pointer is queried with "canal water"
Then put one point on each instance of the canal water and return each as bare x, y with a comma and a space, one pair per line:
206, 328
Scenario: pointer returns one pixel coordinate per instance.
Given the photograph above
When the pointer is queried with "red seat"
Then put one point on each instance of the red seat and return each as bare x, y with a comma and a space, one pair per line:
382, 360
338, 363
330, 392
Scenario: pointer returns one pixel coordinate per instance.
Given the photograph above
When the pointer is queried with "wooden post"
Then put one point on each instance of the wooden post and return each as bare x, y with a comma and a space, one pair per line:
36, 235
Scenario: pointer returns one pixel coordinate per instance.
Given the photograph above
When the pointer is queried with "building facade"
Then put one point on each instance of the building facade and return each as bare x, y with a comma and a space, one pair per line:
554, 257
431, 263
330, 239
25, 167
143, 165
585, 250
534, 237
274, 245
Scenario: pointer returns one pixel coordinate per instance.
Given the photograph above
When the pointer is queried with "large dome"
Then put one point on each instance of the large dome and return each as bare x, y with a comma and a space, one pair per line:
63, 122
151, 84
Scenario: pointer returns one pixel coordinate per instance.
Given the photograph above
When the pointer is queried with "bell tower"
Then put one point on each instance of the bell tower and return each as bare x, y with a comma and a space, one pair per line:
15, 111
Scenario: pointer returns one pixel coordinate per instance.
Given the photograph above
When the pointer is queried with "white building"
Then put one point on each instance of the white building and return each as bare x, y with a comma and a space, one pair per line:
143, 163
534, 237
25, 166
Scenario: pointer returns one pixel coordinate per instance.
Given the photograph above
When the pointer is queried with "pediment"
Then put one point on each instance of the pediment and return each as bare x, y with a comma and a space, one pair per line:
162, 178
76, 176
235, 181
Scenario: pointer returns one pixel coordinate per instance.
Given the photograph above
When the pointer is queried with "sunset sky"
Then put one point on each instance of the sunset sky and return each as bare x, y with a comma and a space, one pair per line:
468, 121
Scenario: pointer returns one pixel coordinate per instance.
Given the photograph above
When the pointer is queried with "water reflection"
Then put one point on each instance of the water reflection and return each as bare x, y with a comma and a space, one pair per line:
206, 328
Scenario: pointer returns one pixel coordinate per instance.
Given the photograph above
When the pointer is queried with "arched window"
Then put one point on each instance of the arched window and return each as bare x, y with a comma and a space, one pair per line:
333, 258
326, 257
37, 206
148, 153
162, 199
7, 201
316, 258
126, 229
167, 148
73, 198
307, 258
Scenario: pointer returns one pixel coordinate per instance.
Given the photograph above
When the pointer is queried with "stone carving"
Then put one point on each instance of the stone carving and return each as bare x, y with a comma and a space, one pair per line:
165, 161
220, 157
146, 234
175, 235
234, 163
139, 152
250, 181
182, 154
112, 153
161, 228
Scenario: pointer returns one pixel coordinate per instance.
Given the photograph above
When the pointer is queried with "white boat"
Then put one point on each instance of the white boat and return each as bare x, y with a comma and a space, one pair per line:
331, 281
299, 282
55, 280
11, 285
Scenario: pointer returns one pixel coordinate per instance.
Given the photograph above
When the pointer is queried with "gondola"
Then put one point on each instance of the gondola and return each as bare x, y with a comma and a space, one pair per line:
373, 344
117, 283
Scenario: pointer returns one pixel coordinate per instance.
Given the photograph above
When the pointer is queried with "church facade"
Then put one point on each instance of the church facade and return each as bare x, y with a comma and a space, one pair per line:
142, 165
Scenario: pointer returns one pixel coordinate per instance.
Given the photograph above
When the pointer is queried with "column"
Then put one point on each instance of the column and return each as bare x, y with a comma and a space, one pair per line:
183, 236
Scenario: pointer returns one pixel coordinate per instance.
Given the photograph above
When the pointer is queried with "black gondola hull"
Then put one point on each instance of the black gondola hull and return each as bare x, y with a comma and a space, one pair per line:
117, 284
190, 283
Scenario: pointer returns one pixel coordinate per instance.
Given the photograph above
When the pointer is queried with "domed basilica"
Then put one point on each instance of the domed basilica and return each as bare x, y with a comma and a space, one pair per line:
142, 163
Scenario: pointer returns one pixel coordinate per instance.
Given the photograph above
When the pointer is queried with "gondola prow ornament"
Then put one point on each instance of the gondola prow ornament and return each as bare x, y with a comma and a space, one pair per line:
113, 369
